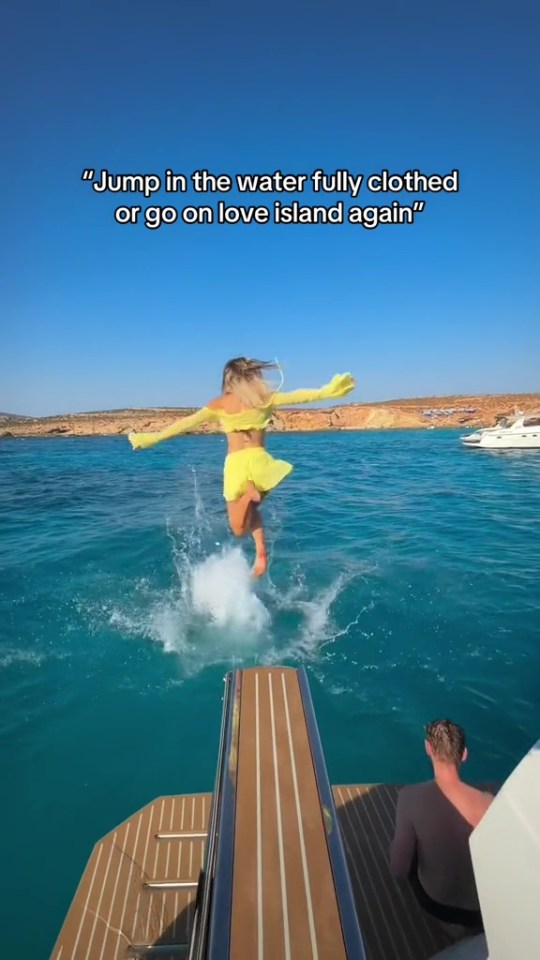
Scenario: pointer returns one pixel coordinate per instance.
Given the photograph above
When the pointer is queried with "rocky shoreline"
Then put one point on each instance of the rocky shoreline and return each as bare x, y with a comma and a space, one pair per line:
466, 412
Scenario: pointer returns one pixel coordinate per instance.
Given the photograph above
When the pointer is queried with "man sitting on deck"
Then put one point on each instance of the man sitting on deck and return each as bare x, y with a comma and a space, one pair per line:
434, 821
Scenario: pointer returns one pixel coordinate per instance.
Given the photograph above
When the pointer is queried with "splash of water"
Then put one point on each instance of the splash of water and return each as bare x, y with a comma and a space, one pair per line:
221, 588
214, 612
211, 615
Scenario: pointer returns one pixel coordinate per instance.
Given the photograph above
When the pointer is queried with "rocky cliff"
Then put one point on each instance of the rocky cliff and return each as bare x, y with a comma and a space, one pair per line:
456, 411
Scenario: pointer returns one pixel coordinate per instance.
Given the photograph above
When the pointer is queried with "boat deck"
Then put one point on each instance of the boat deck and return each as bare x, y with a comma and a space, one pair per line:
115, 914
286, 900
298, 870
140, 884
393, 925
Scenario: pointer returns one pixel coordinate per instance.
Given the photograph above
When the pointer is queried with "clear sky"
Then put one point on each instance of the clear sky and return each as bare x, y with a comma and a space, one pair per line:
95, 315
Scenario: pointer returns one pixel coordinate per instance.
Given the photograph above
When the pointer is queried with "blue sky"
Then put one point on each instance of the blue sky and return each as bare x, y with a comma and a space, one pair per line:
96, 315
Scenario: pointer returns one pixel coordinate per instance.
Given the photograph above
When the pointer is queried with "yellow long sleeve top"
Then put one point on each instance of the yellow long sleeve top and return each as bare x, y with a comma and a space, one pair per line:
256, 419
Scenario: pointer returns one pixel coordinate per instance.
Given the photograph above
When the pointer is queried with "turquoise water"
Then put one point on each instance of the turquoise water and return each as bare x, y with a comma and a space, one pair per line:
404, 576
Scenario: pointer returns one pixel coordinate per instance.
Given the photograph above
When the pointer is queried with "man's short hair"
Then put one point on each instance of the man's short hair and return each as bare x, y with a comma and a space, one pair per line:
447, 740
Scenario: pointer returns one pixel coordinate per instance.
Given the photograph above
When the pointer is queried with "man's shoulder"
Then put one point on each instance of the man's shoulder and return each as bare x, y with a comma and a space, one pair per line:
479, 791
481, 798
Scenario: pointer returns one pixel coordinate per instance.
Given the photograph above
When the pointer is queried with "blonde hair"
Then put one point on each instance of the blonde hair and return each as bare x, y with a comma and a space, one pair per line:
447, 741
243, 377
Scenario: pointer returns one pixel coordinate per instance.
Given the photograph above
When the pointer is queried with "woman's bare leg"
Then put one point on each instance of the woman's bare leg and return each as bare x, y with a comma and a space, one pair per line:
244, 518
257, 531
238, 510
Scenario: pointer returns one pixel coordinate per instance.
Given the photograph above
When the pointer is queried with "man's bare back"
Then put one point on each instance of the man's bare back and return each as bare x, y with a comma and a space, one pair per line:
434, 821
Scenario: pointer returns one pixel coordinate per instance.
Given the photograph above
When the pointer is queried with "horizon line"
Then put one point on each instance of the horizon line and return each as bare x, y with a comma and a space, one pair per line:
363, 403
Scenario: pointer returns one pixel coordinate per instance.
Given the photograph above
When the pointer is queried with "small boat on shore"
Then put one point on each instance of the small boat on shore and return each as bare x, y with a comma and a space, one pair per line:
522, 431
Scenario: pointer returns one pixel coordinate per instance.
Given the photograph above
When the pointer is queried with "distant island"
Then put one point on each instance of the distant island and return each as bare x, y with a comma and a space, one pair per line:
421, 412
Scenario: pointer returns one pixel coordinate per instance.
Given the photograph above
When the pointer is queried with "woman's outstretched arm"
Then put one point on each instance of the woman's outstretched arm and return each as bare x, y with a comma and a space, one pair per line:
339, 386
139, 441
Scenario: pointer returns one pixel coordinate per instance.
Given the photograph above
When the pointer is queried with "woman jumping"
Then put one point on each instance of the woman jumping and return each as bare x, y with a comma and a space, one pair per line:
243, 412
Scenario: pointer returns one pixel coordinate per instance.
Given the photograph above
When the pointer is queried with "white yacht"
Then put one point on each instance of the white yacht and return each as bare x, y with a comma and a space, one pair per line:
519, 431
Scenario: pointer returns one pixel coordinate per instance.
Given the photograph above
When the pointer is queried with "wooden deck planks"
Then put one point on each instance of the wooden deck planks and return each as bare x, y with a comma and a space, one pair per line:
114, 910
393, 925
284, 902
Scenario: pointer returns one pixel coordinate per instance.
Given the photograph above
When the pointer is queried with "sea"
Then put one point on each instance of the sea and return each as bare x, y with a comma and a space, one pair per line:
404, 578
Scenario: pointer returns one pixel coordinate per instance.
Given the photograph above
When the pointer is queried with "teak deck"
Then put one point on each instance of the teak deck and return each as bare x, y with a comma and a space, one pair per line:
393, 925
140, 884
284, 901
298, 870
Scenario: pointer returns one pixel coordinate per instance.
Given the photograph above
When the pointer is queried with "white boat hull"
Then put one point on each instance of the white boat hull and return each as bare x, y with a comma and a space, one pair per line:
519, 432
502, 440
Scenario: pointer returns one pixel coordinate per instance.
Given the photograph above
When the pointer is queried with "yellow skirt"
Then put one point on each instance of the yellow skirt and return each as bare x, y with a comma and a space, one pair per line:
255, 464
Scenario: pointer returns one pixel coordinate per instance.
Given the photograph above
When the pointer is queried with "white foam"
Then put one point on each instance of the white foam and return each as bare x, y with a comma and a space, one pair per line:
215, 612
317, 626
221, 588
211, 615
160, 620
11, 656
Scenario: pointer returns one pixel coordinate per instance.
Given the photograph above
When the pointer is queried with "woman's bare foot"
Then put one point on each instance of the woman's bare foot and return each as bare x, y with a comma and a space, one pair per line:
261, 563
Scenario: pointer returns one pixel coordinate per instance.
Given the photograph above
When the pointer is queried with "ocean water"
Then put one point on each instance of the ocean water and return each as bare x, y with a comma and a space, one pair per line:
404, 576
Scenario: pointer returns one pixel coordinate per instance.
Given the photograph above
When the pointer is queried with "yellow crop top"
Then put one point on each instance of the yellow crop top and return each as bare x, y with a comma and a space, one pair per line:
256, 419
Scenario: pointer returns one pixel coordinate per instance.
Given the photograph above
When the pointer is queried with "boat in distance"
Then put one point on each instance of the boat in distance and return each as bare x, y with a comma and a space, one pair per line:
521, 431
